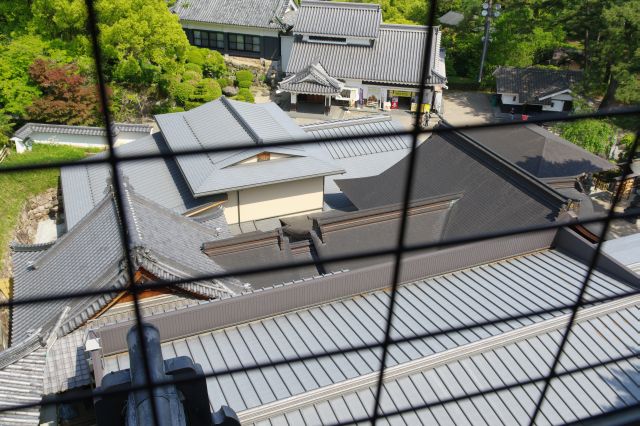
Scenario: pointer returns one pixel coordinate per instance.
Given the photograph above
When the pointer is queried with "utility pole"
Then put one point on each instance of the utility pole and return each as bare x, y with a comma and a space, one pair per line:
489, 10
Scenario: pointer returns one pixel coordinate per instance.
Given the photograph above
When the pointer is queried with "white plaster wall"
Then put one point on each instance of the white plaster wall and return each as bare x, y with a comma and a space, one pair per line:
278, 200
231, 207
61, 139
83, 140
556, 105
286, 44
507, 99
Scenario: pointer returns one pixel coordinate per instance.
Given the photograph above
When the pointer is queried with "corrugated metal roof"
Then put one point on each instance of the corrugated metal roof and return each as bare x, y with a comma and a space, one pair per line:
226, 123
368, 128
29, 128
247, 13
533, 85
159, 180
506, 288
570, 398
625, 250
395, 57
338, 19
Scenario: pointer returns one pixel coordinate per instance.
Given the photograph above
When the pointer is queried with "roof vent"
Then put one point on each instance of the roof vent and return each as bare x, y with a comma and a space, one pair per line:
31, 266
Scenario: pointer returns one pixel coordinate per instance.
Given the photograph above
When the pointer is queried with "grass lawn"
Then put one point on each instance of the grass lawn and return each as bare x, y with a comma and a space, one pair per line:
17, 187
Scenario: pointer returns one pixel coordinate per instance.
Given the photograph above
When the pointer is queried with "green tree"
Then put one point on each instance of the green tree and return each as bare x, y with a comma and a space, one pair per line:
595, 136
6, 127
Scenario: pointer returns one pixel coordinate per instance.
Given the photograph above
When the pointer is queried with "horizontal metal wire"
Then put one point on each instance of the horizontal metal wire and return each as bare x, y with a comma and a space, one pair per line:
629, 111
114, 159
364, 254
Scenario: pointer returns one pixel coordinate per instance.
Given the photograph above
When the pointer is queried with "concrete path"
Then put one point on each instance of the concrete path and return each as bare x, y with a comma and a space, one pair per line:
47, 231
462, 108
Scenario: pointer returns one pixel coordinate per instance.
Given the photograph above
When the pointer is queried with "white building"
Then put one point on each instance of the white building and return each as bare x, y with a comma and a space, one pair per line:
544, 89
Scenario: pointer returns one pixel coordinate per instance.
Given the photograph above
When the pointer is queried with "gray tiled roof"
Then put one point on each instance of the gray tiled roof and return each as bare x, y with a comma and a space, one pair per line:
90, 256
66, 365
159, 180
338, 19
395, 57
496, 196
247, 13
539, 152
533, 84
227, 123
312, 80
29, 128
510, 287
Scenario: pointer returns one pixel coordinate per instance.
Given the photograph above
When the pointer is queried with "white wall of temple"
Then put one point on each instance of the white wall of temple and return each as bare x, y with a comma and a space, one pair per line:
83, 140
277, 200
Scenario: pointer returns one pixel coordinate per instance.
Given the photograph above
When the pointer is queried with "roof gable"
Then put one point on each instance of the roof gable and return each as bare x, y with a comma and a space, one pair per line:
248, 13
314, 79
338, 19
90, 257
225, 123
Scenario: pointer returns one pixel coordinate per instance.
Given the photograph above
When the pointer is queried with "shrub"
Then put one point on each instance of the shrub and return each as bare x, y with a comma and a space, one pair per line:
207, 90
213, 65
191, 76
244, 75
224, 82
245, 95
182, 92
193, 67
195, 55
244, 84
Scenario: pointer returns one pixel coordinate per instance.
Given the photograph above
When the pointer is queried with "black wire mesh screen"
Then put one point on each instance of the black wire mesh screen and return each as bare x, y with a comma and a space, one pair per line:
401, 248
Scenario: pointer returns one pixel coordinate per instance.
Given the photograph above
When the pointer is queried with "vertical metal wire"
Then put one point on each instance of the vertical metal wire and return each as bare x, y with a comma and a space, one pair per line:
119, 198
585, 284
397, 267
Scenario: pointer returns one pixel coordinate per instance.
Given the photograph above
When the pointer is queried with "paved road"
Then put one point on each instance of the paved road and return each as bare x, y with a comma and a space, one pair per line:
461, 108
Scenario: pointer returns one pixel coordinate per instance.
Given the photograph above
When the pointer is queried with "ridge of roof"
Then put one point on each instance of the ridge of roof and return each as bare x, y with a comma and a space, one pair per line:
241, 120
345, 123
22, 247
543, 189
408, 27
28, 128
337, 4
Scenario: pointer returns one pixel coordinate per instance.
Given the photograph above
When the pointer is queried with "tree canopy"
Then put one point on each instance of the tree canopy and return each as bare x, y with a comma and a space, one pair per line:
149, 64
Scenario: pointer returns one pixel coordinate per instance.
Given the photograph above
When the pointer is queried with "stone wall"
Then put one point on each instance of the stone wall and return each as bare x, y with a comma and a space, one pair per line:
38, 208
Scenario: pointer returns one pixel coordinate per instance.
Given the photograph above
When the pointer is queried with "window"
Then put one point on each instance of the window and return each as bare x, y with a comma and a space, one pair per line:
245, 43
197, 38
208, 39
264, 156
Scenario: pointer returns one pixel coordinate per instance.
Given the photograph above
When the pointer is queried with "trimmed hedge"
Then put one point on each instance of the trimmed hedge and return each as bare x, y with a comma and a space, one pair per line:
245, 95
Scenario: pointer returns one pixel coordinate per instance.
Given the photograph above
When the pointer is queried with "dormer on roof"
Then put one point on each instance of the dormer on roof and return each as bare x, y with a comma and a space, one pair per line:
291, 182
